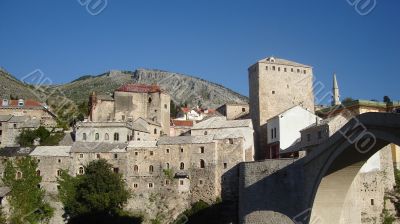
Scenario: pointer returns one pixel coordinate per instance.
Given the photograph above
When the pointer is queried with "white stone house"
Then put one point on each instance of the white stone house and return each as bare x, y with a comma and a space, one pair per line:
284, 129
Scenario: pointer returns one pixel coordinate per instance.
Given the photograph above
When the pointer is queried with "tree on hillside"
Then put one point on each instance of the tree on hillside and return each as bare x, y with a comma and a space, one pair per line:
26, 198
98, 196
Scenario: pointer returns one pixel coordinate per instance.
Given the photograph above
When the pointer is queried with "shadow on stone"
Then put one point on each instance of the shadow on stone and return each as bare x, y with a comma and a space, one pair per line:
101, 218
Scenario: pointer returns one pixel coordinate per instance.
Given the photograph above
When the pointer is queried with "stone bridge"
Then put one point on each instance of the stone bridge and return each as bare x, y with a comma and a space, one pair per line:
314, 187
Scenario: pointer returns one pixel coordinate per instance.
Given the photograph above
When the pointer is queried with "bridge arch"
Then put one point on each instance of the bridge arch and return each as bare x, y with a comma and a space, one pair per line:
331, 168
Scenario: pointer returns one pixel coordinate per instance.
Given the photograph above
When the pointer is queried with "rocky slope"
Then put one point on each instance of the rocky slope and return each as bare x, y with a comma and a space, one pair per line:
12, 87
182, 88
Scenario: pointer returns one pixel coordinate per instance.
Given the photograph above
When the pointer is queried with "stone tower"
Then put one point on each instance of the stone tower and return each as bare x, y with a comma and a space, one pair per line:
276, 85
335, 92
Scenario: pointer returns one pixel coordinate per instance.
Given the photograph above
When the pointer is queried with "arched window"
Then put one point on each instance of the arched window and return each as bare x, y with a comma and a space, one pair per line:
202, 164
84, 136
155, 130
96, 136
19, 175
81, 170
166, 165
151, 169
116, 136
182, 166
58, 173
106, 137
38, 173
135, 168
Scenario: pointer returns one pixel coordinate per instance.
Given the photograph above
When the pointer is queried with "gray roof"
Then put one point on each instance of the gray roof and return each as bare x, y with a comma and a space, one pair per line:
103, 124
228, 134
5, 117
98, 147
281, 61
185, 140
4, 191
15, 151
61, 151
142, 144
138, 127
221, 122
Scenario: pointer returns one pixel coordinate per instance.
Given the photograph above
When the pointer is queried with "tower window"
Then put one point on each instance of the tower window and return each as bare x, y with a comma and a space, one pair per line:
151, 169
372, 202
150, 99
202, 164
273, 92
225, 165
116, 137
181, 182
182, 166
202, 149
135, 168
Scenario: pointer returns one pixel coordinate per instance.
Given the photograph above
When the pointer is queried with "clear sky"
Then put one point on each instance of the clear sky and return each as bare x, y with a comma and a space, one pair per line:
212, 39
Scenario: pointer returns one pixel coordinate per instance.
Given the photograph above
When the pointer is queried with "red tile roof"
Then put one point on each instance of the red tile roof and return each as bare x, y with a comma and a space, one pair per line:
182, 123
27, 103
139, 88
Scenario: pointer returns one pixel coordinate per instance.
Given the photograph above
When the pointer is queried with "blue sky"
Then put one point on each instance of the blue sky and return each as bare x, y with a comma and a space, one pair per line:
214, 40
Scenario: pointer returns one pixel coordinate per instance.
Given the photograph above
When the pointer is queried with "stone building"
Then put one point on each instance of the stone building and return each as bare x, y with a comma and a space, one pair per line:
276, 85
233, 111
130, 102
31, 109
11, 126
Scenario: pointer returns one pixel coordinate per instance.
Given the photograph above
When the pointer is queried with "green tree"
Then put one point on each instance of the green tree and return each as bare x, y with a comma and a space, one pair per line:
97, 196
174, 109
27, 137
26, 198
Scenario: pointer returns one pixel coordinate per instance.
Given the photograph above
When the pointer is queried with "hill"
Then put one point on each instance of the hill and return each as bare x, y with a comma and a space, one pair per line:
10, 87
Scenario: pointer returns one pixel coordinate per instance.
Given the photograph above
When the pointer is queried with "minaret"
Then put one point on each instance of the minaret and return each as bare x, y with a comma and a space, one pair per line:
335, 91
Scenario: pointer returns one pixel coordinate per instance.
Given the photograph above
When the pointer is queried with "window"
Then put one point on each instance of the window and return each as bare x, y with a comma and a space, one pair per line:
1, 132
182, 166
201, 182
166, 165
231, 141
155, 130
151, 153
225, 165
298, 70
273, 91
287, 86
304, 71
372, 202
135, 185
273, 68
96, 136
136, 153
165, 106
106, 137
84, 136
115, 156
308, 137
202, 164
135, 168
285, 70
81, 170
58, 187
202, 149
151, 185
291, 69
205, 133
243, 109
181, 182
59, 160
181, 149
166, 182
15, 125
58, 173
274, 132
127, 138
319, 134
151, 169
116, 170
116, 137
98, 156
123, 117
38, 173
81, 155
167, 150
19, 175
150, 100
279, 69
266, 68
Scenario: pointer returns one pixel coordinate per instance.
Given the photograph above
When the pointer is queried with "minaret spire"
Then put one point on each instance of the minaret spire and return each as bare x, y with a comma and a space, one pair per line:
335, 91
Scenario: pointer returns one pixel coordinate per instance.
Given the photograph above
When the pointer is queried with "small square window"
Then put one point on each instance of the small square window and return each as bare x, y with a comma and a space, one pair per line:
167, 150
151, 153
201, 182
273, 91
136, 153
81, 155
115, 156
59, 160
98, 156
225, 165
116, 170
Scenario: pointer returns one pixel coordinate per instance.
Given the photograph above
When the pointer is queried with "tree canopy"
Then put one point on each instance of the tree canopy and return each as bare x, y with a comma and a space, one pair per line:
26, 196
96, 196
